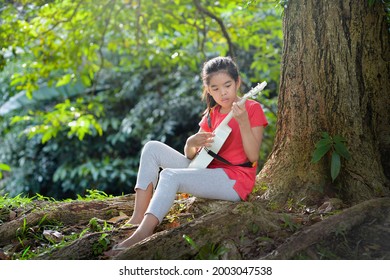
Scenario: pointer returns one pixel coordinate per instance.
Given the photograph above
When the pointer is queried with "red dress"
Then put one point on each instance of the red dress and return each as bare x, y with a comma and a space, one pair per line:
233, 149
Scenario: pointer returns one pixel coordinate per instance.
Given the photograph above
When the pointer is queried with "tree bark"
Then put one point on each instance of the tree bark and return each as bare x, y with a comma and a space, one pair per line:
372, 212
249, 231
231, 221
335, 78
216, 223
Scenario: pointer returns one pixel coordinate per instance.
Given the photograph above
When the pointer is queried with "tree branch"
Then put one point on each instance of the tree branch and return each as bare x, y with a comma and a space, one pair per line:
102, 43
220, 23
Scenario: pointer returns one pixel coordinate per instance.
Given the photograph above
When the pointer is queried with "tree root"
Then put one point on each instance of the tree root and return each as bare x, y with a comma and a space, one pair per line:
337, 229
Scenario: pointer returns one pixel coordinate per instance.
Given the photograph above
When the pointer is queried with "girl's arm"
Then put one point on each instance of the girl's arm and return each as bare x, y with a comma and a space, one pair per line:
196, 141
251, 136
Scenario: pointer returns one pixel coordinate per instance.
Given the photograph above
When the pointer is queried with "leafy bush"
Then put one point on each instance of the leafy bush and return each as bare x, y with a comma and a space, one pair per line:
98, 92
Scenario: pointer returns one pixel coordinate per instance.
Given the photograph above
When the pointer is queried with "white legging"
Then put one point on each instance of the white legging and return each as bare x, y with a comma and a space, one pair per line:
176, 177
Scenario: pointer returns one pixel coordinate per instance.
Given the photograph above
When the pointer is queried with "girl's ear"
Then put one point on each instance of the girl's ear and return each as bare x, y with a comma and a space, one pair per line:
208, 91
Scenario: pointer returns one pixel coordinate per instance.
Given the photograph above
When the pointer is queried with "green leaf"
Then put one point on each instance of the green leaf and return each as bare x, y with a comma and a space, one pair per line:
335, 165
341, 149
64, 80
325, 135
4, 167
190, 241
320, 151
371, 2
338, 139
324, 142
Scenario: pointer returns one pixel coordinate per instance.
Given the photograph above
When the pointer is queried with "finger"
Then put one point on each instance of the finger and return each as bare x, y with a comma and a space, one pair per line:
206, 134
236, 109
209, 143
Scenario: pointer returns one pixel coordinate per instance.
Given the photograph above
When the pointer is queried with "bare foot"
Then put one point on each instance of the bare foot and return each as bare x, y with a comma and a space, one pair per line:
136, 237
134, 221
113, 252
145, 230
128, 226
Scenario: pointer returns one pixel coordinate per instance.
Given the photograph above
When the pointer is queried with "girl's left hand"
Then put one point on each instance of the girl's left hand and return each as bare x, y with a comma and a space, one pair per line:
239, 112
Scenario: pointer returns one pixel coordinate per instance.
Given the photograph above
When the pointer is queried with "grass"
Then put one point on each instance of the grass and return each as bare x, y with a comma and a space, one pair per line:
32, 240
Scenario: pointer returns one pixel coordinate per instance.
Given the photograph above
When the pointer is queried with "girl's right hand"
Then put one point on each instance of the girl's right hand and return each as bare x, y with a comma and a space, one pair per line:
201, 139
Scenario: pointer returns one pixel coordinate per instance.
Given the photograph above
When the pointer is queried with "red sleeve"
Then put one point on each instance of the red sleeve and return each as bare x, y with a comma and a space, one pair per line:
203, 124
256, 114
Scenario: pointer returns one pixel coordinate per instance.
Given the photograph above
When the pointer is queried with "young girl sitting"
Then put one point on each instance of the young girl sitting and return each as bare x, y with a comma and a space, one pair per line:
232, 182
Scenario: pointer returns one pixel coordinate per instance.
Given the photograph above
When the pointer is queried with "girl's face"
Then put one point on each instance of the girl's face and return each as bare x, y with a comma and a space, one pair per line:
223, 89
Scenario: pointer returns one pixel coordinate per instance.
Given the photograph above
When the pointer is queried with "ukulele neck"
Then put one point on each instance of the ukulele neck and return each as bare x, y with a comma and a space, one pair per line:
227, 119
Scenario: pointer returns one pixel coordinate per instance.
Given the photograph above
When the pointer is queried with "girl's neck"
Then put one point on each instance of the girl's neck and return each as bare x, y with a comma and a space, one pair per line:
223, 111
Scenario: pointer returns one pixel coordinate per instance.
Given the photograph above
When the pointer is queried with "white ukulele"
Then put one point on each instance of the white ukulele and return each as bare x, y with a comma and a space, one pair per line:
203, 158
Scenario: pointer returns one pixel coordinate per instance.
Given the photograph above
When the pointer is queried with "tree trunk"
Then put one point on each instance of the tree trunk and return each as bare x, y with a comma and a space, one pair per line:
335, 78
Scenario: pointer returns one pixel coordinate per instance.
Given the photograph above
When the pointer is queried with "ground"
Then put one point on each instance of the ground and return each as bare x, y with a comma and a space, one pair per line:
197, 229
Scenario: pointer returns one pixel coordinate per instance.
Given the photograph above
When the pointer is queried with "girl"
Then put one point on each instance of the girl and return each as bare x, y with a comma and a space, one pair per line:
219, 180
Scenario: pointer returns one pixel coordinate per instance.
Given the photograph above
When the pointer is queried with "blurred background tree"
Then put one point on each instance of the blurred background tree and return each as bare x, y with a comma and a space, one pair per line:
84, 84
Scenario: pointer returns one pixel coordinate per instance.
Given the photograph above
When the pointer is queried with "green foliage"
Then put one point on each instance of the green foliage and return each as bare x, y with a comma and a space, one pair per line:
79, 117
17, 201
334, 146
4, 167
289, 223
94, 195
209, 251
32, 238
96, 225
101, 245
84, 84
372, 2
22, 231
26, 232
159, 118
